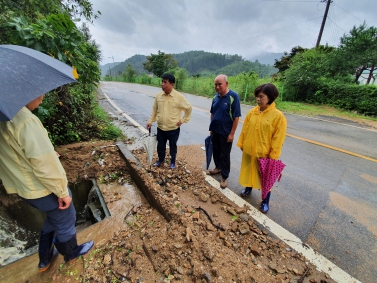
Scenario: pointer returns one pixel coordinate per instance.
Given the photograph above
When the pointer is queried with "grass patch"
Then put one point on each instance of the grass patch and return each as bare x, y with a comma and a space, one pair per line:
314, 110
107, 130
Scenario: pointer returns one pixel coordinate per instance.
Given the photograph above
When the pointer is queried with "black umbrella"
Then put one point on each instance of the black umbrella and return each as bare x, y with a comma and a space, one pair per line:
26, 74
208, 146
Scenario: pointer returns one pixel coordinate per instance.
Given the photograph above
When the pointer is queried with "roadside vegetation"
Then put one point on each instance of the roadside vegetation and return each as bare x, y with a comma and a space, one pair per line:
70, 113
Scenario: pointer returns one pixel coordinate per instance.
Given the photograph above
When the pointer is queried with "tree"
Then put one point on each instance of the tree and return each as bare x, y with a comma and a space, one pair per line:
159, 63
129, 73
359, 47
181, 75
32, 10
305, 72
285, 62
67, 113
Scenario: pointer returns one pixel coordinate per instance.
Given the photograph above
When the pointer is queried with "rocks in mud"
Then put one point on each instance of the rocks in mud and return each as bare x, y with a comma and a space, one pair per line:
208, 238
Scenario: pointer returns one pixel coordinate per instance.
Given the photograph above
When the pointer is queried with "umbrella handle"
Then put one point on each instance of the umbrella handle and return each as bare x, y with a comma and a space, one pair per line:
150, 130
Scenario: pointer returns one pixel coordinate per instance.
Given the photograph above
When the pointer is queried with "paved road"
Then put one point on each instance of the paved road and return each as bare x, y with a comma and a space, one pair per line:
327, 196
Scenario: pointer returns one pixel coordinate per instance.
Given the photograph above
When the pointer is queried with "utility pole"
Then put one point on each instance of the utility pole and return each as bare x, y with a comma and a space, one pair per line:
113, 65
323, 22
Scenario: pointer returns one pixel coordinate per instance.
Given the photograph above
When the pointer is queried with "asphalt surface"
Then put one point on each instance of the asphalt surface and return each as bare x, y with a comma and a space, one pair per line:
327, 196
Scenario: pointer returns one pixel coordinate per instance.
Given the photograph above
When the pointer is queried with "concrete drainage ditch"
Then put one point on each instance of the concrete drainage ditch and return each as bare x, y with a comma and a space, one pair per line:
20, 223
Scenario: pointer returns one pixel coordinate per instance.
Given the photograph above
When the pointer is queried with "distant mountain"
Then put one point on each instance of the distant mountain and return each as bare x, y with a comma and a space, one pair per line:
198, 61
135, 61
106, 68
204, 63
245, 66
267, 58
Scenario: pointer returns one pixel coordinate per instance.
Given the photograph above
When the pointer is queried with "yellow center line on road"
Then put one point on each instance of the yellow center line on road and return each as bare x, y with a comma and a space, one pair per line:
333, 148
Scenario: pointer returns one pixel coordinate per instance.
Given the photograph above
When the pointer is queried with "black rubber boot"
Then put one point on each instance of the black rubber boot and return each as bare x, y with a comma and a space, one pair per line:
246, 191
265, 205
46, 251
71, 251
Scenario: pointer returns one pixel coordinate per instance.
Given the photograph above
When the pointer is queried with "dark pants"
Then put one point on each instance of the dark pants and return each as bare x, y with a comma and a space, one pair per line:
60, 221
162, 138
221, 153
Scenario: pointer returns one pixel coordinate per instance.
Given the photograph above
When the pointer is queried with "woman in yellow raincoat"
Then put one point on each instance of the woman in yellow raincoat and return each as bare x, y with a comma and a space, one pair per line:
262, 135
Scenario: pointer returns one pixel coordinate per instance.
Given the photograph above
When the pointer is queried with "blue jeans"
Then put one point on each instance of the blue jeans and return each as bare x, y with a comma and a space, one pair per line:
60, 221
162, 138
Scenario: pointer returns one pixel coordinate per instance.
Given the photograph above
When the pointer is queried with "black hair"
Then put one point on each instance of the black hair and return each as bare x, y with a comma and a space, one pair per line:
168, 77
268, 89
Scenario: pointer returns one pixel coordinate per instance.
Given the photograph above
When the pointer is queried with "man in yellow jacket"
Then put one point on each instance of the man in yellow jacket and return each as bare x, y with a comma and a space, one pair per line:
167, 111
30, 168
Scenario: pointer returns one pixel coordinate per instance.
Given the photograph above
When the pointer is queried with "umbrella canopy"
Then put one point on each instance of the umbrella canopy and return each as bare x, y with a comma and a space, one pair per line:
269, 170
27, 74
208, 146
150, 143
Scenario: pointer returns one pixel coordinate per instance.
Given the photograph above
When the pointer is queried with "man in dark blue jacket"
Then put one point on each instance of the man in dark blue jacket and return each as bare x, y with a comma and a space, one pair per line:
225, 113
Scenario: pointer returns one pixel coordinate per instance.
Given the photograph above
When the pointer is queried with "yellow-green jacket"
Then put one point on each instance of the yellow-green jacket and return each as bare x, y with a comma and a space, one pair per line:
262, 135
167, 110
29, 165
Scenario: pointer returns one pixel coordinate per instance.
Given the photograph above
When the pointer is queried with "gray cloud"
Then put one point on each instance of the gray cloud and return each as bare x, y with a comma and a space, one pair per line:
243, 27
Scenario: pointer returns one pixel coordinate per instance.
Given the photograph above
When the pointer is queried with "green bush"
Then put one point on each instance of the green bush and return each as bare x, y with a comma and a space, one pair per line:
70, 115
351, 97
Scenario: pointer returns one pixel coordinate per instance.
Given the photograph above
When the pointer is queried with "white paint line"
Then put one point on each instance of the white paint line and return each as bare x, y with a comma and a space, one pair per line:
136, 124
319, 261
333, 122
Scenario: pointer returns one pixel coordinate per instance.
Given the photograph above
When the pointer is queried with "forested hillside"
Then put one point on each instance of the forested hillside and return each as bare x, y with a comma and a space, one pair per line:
247, 66
105, 68
204, 63
135, 61
200, 61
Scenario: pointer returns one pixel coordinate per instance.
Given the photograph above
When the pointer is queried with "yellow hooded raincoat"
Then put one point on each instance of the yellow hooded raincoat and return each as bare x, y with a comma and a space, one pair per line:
262, 135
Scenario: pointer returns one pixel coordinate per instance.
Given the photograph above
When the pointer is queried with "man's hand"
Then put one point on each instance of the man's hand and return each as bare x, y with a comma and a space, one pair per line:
230, 137
149, 125
65, 202
179, 123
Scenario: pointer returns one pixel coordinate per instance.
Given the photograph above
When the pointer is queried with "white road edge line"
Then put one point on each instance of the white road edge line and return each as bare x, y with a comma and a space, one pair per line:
136, 124
328, 121
319, 261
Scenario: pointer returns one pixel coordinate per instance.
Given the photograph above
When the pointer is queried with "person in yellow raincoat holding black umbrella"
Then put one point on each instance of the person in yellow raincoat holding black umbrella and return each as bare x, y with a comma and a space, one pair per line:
263, 134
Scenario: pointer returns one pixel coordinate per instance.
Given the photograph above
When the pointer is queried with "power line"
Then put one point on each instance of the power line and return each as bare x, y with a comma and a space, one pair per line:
333, 25
269, 32
337, 25
347, 12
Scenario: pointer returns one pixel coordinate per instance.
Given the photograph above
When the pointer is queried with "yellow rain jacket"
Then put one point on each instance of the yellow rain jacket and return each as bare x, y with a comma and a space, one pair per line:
262, 135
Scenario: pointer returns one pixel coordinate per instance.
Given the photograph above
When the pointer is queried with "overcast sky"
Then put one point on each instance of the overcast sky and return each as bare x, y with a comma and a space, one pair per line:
243, 27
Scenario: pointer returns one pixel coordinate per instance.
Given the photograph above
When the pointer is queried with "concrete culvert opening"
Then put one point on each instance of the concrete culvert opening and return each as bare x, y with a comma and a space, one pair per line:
21, 223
